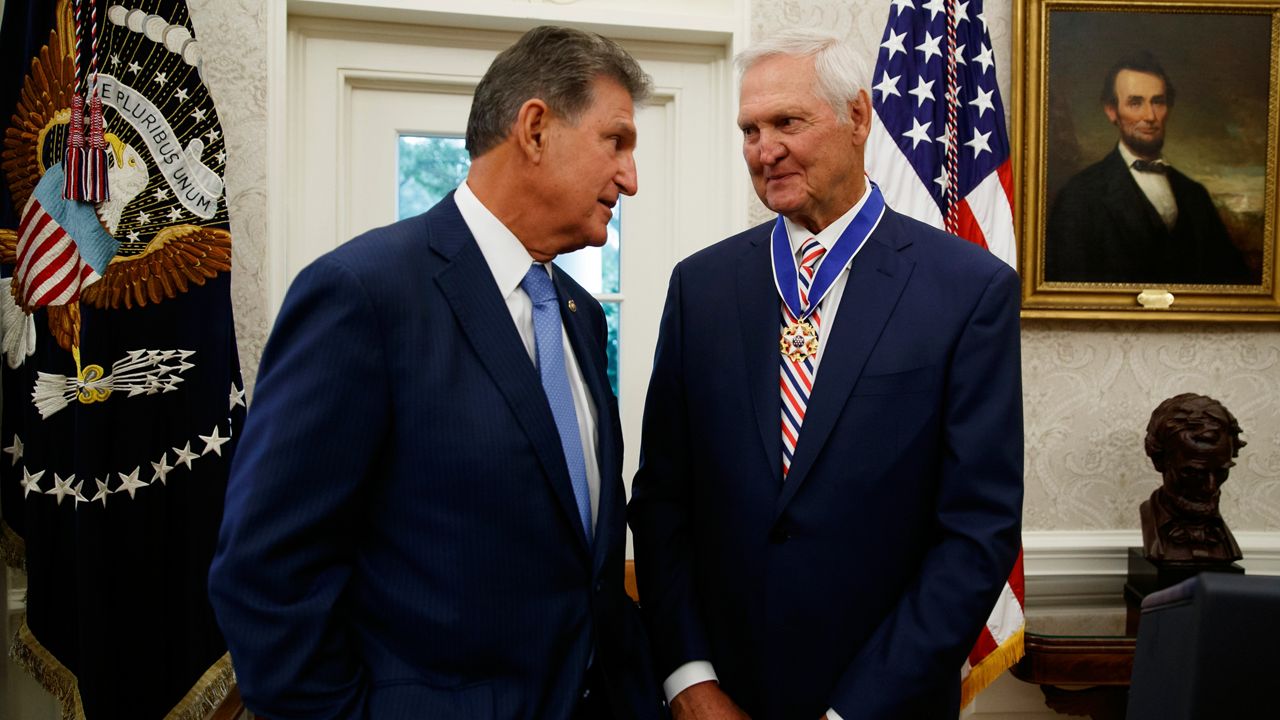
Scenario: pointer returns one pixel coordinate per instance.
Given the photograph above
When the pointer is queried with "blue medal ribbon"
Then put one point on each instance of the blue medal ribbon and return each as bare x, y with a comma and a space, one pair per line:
785, 269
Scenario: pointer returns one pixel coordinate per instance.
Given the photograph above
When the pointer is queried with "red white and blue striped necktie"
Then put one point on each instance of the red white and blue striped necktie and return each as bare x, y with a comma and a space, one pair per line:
796, 376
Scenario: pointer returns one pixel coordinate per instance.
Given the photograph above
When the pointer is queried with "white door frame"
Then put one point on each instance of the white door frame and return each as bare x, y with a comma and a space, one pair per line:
704, 187
725, 23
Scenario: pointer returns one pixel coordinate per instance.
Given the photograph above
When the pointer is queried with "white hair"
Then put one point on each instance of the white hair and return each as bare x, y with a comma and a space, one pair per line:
841, 72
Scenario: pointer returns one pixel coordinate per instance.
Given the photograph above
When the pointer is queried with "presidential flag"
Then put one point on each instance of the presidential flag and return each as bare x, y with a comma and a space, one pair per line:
940, 153
121, 384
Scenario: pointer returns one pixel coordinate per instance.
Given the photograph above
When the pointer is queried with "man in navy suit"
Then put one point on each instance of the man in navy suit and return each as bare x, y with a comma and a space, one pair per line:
1131, 217
426, 516
830, 492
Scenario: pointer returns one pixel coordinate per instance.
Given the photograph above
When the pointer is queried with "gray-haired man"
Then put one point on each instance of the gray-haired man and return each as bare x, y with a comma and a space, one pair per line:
426, 515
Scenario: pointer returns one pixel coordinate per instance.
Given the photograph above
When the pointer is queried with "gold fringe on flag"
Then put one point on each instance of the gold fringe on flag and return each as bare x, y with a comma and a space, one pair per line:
30, 655
207, 693
13, 550
991, 667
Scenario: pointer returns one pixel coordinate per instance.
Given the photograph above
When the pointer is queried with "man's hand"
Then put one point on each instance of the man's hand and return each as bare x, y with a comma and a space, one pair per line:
705, 701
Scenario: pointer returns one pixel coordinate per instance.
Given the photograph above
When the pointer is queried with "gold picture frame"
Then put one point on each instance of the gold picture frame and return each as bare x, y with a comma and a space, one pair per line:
1088, 248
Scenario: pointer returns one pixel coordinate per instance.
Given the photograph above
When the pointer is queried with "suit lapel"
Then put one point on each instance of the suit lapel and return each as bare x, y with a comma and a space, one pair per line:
877, 278
469, 287
586, 351
1124, 194
759, 318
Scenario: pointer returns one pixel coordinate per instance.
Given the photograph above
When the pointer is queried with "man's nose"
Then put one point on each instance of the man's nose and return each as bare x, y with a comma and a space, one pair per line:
770, 149
627, 179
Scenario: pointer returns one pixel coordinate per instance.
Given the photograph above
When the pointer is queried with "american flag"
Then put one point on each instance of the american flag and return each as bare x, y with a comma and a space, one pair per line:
940, 153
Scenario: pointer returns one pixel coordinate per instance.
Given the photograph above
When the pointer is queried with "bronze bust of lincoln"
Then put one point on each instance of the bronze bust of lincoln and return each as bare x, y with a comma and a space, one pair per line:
1192, 440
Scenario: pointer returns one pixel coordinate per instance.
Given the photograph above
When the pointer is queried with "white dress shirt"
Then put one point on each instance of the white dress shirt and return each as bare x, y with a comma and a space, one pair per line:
508, 260
696, 671
1155, 186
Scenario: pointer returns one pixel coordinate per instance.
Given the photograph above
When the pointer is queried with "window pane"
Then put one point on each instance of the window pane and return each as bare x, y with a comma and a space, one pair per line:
429, 167
612, 311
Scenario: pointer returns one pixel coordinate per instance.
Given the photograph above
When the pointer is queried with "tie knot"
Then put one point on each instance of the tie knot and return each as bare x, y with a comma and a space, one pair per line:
1151, 166
537, 284
810, 253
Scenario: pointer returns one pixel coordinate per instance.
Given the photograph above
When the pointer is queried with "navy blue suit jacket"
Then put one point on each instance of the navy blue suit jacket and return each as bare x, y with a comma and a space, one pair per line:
862, 581
401, 538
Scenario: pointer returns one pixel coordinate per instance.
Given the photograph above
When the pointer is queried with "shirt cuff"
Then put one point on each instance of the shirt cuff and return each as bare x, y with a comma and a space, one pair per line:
833, 715
687, 675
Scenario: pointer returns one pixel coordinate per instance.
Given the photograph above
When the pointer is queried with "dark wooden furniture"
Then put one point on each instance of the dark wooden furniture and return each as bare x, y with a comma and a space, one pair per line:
1081, 659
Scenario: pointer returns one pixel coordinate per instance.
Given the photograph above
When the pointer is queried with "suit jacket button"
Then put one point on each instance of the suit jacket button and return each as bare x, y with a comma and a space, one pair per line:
599, 587
779, 535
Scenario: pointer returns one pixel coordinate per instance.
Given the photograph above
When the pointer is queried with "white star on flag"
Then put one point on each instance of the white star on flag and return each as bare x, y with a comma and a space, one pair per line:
79, 495
983, 101
184, 456
888, 85
985, 59
135, 68
30, 482
198, 114
918, 133
236, 398
894, 44
930, 46
934, 7
174, 214
15, 450
160, 79
213, 442
160, 470
129, 483
923, 91
61, 488
979, 143
103, 491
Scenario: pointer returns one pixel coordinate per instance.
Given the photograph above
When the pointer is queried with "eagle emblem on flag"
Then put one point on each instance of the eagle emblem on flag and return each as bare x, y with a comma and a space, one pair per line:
122, 388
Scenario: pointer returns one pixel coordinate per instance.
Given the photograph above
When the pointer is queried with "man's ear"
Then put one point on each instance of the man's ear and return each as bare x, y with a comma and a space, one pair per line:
1112, 113
860, 112
532, 123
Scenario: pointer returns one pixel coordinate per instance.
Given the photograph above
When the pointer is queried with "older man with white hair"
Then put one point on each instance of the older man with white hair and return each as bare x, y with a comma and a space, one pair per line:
830, 493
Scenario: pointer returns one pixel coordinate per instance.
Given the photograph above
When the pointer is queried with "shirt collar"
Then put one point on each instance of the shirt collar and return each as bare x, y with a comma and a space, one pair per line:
506, 257
797, 233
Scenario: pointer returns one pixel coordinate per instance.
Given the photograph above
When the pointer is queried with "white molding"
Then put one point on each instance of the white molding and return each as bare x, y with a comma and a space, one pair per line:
1073, 567
698, 22
280, 210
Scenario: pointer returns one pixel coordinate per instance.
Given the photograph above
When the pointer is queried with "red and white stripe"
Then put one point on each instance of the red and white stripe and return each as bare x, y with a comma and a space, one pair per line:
796, 378
49, 269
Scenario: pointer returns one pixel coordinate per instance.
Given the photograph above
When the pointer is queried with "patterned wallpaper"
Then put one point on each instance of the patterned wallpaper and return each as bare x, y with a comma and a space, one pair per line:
233, 34
1089, 386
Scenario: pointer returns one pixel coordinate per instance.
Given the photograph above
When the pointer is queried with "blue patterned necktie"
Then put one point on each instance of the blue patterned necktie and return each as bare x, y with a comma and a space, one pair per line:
555, 382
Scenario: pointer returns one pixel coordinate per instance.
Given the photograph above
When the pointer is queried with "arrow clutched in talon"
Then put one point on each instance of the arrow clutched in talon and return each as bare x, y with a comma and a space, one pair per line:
140, 372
